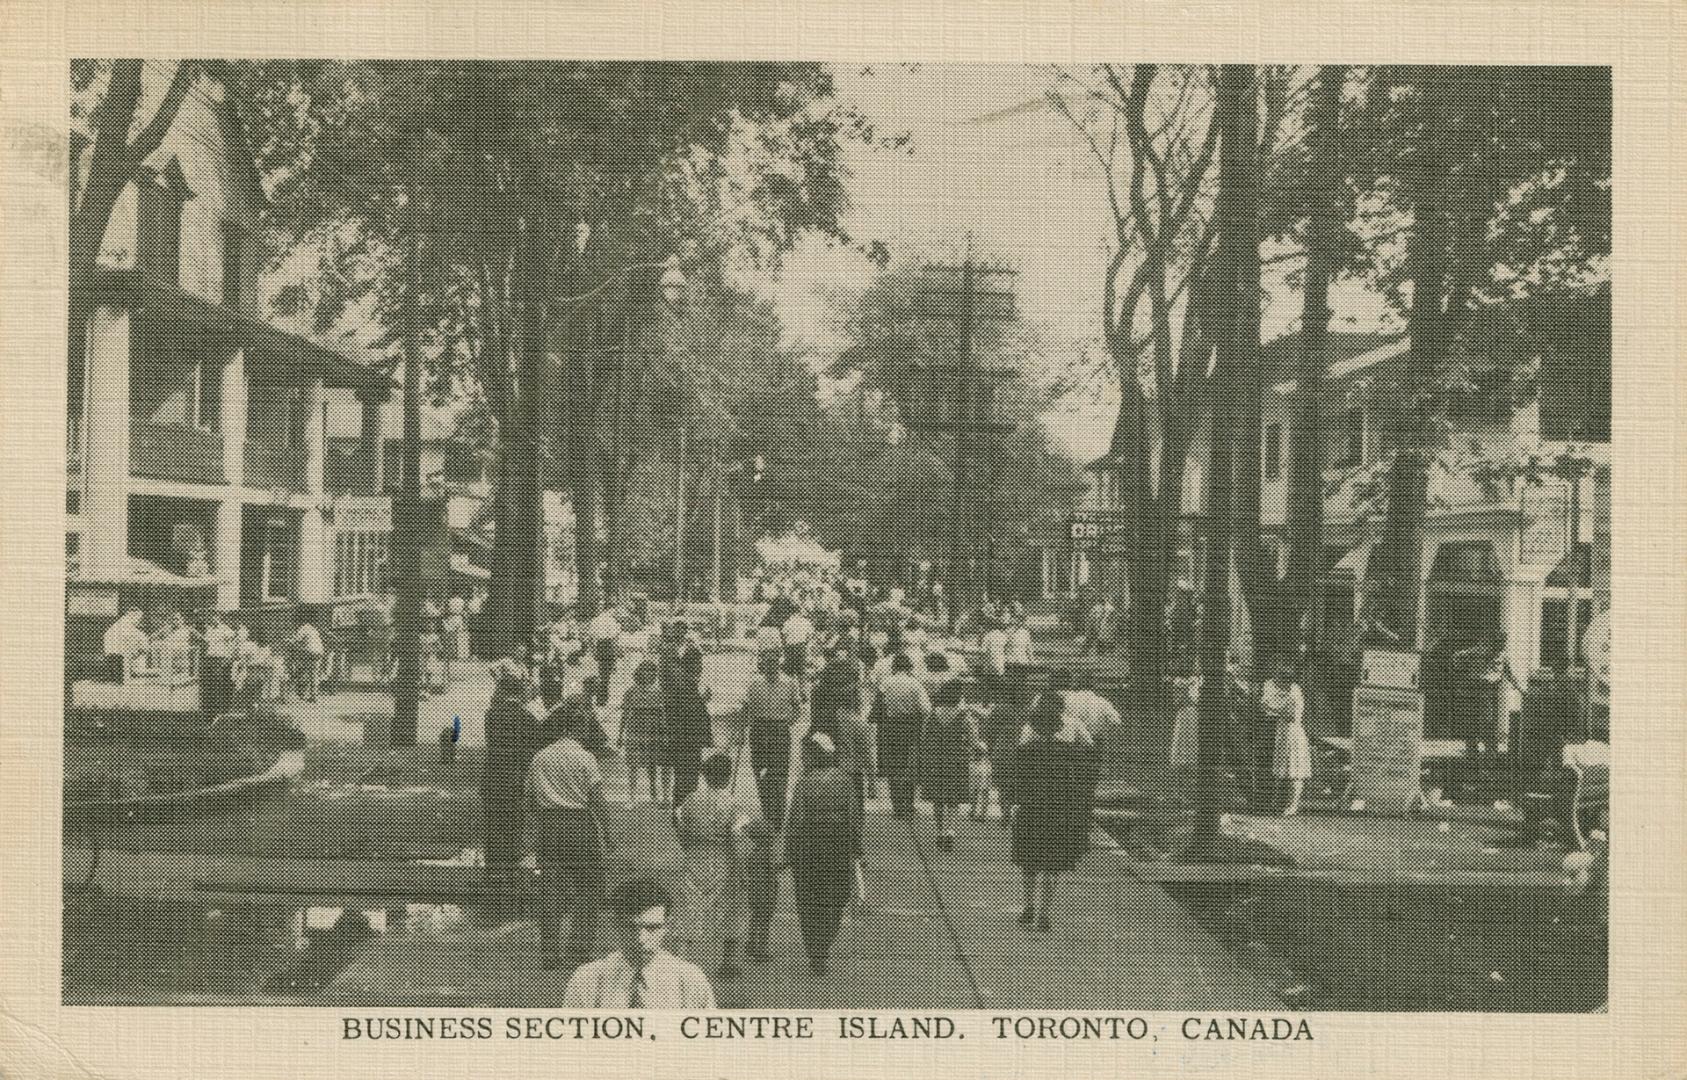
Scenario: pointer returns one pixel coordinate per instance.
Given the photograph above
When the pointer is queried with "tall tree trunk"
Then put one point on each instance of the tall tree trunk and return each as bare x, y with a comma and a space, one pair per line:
1236, 257
585, 495
113, 161
1138, 509
1306, 446
516, 590
1256, 565
407, 522
1400, 566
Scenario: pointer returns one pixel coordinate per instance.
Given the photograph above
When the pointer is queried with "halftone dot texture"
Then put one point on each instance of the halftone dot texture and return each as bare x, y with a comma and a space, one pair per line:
708, 334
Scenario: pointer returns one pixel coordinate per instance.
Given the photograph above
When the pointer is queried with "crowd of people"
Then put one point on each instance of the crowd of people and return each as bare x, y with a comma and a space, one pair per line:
853, 688
849, 691
235, 671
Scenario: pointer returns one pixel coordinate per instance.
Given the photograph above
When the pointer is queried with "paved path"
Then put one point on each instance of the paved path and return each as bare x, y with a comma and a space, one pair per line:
338, 715
939, 931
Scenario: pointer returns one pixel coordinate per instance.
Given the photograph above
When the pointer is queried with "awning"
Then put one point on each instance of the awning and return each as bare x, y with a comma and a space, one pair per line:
1574, 570
1356, 561
137, 571
460, 564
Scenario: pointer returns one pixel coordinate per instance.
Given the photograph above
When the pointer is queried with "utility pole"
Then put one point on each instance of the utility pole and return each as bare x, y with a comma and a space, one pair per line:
679, 512
966, 423
407, 515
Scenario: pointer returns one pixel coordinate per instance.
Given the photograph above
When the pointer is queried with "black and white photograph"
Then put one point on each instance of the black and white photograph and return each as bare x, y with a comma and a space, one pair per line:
748, 535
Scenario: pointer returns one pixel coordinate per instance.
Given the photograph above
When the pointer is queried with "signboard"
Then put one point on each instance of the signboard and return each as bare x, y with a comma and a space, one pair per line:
1096, 532
91, 603
365, 513
1387, 750
1392, 668
1546, 525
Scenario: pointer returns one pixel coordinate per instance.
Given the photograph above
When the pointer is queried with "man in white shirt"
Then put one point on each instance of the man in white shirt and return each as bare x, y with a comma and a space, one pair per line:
215, 688
307, 660
565, 788
1019, 644
1089, 710
606, 649
795, 634
640, 974
995, 644
124, 642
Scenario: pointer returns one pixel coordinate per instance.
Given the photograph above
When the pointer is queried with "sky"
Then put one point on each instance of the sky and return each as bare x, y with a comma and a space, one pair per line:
988, 156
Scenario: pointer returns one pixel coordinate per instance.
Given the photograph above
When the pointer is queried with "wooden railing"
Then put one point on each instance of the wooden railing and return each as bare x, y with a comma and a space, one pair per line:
178, 452
275, 467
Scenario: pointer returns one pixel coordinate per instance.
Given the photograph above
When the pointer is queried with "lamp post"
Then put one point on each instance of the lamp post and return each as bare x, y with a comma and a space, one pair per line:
739, 469
672, 285
647, 286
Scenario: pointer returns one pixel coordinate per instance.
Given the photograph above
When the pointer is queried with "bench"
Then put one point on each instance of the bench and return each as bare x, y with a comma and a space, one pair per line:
1118, 811
1590, 798
1576, 794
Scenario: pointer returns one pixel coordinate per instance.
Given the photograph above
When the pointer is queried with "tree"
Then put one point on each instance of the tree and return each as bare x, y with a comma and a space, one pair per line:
1154, 134
568, 170
105, 159
1236, 273
1505, 200
1306, 449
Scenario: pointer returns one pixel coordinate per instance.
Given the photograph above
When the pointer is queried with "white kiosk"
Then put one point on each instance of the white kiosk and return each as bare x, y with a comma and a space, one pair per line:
1387, 757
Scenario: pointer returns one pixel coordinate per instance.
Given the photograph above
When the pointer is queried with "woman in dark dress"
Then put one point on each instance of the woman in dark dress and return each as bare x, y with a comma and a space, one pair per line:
1051, 792
822, 834
945, 753
680, 672
511, 739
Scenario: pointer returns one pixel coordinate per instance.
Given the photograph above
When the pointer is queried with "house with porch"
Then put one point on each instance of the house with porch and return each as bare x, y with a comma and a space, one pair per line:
1513, 556
197, 430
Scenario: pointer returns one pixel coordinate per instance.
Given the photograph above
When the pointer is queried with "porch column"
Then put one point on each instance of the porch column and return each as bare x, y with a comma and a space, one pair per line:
229, 524
316, 435
369, 441
314, 585
105, 512
1522, 621
233, 418
1426, 563
235, 410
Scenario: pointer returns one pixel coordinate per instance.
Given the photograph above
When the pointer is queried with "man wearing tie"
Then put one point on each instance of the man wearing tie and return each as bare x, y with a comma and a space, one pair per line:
640, 974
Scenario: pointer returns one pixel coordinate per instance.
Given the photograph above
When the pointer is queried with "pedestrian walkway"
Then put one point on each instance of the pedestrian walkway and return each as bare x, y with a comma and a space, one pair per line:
938, 931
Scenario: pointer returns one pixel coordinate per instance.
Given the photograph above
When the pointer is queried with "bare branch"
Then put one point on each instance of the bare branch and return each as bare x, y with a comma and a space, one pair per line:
152, 136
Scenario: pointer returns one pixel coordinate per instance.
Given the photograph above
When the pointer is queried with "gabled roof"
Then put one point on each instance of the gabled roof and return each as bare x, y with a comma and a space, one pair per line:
271, 351
1345, 353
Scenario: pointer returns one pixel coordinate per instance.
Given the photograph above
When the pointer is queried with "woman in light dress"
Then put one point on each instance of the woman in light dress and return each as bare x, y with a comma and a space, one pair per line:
710, 908
1186, 695
1282, 702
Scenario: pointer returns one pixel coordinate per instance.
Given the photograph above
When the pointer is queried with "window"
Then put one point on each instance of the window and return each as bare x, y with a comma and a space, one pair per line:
279, 571
205, 400
1555, 632
1273, 453
72, 501
159, 222
1347, 440
73, 553
231, 264
360, 563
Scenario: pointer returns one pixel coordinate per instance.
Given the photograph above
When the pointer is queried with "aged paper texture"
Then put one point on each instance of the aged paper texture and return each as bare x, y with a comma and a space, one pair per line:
750, 539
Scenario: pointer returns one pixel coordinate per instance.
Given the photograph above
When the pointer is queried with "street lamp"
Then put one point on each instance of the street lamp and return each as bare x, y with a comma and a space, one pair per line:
673, 281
